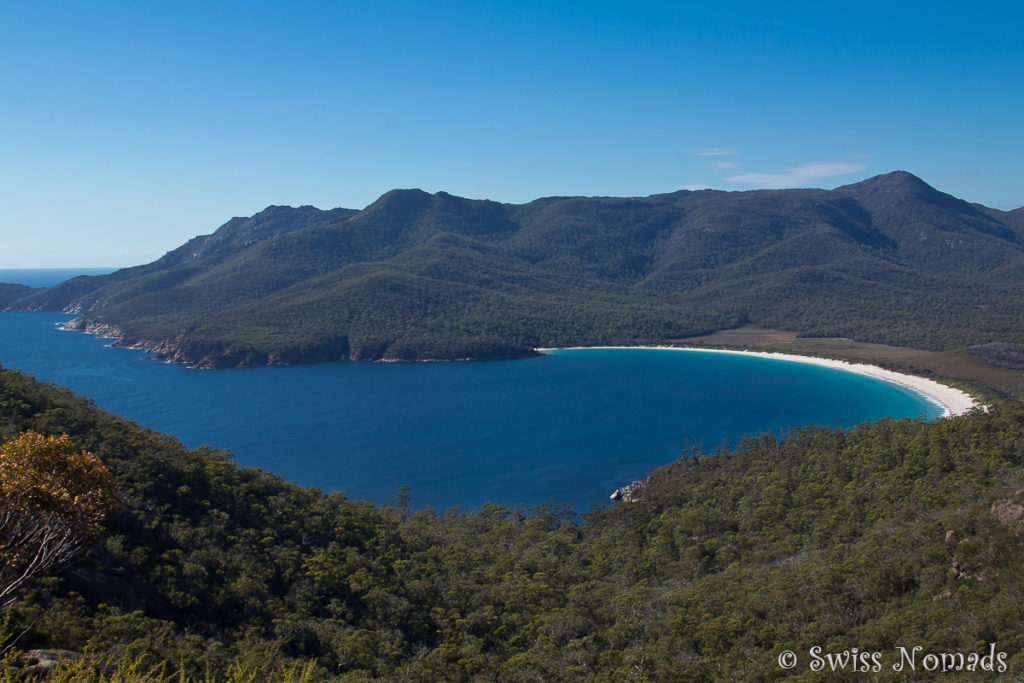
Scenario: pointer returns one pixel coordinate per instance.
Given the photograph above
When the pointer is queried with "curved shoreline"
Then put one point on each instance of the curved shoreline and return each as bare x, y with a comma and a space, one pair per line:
952, 401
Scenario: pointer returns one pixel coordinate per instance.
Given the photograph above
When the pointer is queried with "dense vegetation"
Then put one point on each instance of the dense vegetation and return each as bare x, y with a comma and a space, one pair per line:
1009, 356
895, 533
417, 276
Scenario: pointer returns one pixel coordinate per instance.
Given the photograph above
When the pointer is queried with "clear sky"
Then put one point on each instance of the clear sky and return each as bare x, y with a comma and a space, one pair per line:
128, 127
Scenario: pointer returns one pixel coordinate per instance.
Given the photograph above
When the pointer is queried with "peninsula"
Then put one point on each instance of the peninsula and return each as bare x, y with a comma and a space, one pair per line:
418, 276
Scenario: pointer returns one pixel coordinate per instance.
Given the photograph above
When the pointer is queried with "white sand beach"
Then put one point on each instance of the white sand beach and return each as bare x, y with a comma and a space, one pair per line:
952, 401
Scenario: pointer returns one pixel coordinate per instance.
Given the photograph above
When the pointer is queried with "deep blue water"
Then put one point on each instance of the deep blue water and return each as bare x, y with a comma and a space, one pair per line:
569, 427
46, 277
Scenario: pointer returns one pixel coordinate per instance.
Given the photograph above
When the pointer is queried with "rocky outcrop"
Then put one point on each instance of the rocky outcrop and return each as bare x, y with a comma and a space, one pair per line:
1010, 512
631, 493
42, 663
89, 327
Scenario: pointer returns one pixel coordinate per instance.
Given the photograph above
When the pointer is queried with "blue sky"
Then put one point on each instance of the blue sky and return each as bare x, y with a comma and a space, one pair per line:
128, 127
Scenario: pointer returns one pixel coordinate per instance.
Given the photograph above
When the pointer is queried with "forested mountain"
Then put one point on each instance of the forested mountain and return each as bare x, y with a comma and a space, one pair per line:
417, 276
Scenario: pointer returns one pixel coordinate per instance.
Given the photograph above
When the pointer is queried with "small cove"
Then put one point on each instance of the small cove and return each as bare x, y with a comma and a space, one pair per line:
568, 427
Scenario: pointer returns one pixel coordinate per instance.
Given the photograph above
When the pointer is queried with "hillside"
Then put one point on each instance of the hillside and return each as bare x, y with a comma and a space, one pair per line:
417, 276
893, 534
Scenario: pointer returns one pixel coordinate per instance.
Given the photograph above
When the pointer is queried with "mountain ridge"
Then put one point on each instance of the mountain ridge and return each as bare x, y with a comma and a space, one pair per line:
420, 276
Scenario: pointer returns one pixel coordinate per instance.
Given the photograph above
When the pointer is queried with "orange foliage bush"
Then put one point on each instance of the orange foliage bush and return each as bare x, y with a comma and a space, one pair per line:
52, 498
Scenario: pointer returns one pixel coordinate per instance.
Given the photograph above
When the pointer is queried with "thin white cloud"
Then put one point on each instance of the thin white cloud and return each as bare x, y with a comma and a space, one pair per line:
715, 152
803, 175
694, 188
723, 165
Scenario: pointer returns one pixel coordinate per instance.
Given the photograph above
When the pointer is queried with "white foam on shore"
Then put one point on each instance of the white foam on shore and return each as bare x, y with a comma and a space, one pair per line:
951, 401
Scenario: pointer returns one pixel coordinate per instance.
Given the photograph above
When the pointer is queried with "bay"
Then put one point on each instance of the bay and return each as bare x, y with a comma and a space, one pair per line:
567, 427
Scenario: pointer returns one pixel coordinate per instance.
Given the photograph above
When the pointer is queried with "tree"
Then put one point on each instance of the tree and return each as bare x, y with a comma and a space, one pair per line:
52, 498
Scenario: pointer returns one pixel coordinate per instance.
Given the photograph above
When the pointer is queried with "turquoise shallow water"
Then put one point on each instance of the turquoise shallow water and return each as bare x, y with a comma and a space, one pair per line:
568, 427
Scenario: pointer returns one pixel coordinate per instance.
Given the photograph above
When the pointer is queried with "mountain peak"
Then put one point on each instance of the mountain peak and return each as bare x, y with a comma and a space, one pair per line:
895, 181
406, 201
413, 194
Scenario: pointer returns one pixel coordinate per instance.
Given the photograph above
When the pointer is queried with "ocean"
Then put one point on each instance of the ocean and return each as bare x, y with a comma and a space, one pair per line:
46, 277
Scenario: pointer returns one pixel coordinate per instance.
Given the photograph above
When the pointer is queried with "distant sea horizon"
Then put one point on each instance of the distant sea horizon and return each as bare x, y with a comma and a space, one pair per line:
46, 277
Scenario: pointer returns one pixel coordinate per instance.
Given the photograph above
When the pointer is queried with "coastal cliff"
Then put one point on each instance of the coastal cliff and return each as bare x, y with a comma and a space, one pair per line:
224, 354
